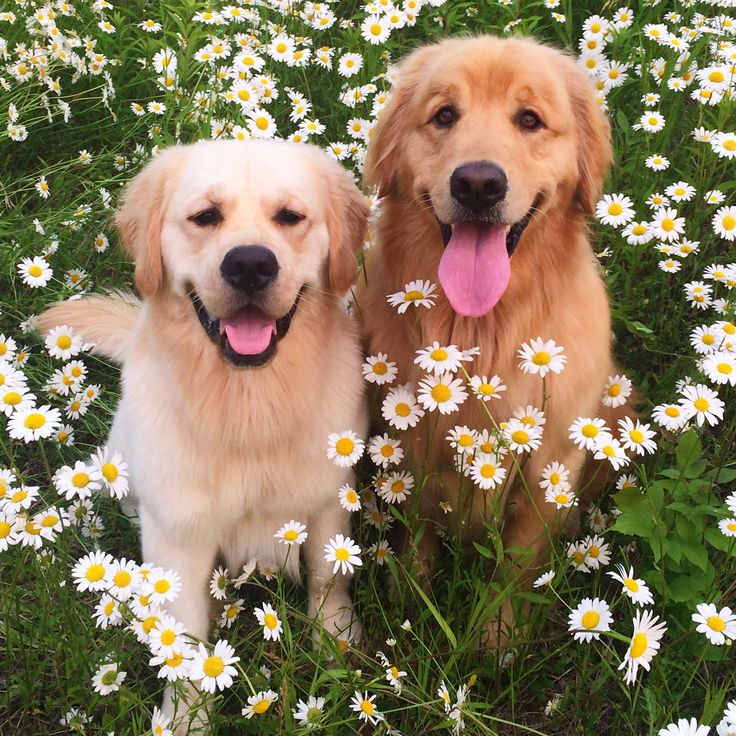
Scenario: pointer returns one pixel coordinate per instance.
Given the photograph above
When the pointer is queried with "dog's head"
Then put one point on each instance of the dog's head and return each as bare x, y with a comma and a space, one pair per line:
241, 231
486, 133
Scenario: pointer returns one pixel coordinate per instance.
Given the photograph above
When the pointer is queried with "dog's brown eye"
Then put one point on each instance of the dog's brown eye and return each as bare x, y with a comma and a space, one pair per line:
208, 217
288, 217
529, 120
445, 116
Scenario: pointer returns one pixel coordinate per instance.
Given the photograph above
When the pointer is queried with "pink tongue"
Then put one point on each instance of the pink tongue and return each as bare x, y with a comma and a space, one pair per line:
475, 269
248, 330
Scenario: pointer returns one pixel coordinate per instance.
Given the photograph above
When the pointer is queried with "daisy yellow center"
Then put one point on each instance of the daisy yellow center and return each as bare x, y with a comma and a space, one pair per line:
149, 623
342, 554
351, 497
281, 47
34, 421
731, 526
438, 354
465, 440
608, 451
75, 405
261, 123
672, 411
562, 498
554, 479
4, 529
729, 328
12, 398
109, 608
636, 436
175, 660
728, 222
397, 486
50, 520
589, 431
724, 368
486, 389
168, 637
110, 472
653, 121
541, 358
161, 586
122, 578
32, 528
412, 296
261, 706
440, 393
232, 612
213, 666
95, 573
716, 623
708, 339
80, 480
701, 404
270, 621
716, 76
375, 30
35, 271
520, 437
578, 557
244, 95
486, 447
639, 645
594, 552
76, 371
387, 451
344, 446
615, 209
488, 471
668, 224
730, 144
403, 410
290, 535
614, 390
18, 496
380, 368
590, 619
367, 707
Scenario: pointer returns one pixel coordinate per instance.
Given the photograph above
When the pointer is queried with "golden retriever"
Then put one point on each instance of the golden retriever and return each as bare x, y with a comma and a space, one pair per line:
487, 157
238, 363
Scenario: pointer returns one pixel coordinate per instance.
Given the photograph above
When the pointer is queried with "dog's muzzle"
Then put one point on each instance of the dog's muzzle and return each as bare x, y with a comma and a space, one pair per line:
247, 337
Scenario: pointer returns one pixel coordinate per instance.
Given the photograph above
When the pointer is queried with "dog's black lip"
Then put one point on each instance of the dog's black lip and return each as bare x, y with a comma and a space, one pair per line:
211, 326
515, 231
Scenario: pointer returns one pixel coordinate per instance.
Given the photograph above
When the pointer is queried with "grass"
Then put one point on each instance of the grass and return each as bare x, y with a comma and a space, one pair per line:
667, 528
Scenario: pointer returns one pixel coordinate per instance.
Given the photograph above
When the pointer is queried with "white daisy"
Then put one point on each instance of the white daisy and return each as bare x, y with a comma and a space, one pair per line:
345, 448
539, 357
344, 553
589, 619
214, 671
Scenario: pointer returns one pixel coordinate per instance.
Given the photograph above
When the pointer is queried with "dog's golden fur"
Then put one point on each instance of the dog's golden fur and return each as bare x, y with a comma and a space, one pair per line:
556, 290
221, 457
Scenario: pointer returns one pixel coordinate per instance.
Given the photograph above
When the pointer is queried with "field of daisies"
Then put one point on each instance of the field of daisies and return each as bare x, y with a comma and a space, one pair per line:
630, 626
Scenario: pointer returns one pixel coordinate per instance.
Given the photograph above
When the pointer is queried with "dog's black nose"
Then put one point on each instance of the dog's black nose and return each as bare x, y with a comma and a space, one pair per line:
249, 268
478, 185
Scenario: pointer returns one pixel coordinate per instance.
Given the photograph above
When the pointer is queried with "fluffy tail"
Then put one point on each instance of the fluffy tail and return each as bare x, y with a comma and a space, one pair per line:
105, 321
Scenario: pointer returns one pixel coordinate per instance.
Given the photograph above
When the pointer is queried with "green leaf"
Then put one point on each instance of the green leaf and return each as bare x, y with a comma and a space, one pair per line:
433, 609
487, 553
641, 524
696, 553
689, 448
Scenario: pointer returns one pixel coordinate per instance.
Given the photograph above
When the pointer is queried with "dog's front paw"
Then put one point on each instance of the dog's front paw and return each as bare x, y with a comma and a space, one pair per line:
338, 619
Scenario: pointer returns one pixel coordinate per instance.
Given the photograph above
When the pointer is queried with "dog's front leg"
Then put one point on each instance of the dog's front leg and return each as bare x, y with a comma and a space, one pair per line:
330, 605
192, 556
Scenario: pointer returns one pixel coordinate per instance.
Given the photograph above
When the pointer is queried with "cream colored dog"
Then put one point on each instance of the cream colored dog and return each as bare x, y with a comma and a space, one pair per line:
238, 363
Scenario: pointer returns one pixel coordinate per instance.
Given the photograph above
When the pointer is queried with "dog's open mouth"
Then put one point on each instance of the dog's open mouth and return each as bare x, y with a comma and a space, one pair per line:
247, 337
476, 266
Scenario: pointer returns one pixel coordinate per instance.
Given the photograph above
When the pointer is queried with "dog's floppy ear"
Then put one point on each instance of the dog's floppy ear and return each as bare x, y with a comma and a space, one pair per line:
347, 220
140, 218
594, 139
383, 160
